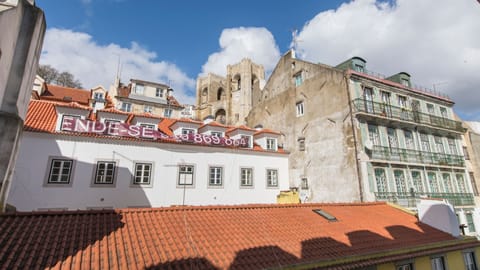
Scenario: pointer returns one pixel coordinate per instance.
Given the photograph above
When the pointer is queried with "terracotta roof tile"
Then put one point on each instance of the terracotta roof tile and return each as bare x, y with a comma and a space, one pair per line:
217, 237
266, 130
65, 94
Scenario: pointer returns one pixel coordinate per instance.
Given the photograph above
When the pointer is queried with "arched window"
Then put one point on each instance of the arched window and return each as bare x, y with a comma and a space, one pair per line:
205, 95
220, 116
238, 81
220, 94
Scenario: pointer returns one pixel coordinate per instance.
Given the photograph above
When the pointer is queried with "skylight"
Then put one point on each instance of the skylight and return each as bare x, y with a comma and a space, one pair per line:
325, 215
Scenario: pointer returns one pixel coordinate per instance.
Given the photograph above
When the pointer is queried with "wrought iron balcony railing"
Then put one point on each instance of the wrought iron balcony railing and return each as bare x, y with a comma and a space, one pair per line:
410, 199
405, 114
414, 156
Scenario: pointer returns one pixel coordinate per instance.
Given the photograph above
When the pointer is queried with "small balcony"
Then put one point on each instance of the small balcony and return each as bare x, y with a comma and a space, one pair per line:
411, 199
414, 156
404, 114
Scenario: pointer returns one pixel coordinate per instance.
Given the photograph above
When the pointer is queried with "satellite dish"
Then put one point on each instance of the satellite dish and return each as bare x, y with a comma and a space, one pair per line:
368, 144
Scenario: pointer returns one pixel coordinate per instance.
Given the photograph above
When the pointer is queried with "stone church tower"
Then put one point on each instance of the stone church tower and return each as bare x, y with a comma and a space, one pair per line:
229, 99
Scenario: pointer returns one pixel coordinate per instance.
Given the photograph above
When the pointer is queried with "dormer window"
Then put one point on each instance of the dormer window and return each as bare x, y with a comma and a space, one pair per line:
247, 139
149, 126
271, 144
186, 131
405, 82
359, 68
109, 122
98, 96
159, 93
139, 89
216, 134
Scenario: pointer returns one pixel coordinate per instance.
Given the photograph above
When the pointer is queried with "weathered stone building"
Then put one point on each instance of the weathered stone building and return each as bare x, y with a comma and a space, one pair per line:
229, 99
355, 135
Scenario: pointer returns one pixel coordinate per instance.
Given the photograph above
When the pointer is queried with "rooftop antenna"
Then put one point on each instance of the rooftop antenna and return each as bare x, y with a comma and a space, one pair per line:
119, 70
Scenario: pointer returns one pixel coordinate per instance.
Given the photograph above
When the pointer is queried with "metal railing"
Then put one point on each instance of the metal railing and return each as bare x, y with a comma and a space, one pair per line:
414, 156
405, 114
411, 199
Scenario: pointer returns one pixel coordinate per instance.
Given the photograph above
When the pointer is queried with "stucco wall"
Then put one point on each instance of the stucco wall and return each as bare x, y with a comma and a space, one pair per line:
328, 161
32, 166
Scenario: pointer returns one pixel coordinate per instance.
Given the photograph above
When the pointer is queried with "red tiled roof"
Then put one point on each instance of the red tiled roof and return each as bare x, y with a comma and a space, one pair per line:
242, 127
266, 130
65, 94
42, 117
218, 237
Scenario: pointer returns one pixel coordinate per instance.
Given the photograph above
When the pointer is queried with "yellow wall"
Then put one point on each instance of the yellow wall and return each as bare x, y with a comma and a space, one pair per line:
454, 260
288, 197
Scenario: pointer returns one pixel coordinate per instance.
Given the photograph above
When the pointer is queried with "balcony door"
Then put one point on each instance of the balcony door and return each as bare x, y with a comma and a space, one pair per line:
368, 99
381, 180
400, 183
393, 143
386, 106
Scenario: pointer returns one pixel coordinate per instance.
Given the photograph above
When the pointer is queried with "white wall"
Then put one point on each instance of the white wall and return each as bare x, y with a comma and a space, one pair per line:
29, 191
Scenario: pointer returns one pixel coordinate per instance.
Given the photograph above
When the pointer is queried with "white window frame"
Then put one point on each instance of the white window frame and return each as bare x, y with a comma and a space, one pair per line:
272, 178
142, 171
216, 134
126, 107
186, 131
470, 260
185, 170
148, 108
98, 96
271, 144
167, 113
159, 92
98, 172
139, 88
300, 108
246, 179
149, 126
438, 262
215, 176
49, 173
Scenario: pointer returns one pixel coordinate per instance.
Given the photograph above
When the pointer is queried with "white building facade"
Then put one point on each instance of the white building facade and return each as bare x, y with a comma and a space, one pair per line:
64, 163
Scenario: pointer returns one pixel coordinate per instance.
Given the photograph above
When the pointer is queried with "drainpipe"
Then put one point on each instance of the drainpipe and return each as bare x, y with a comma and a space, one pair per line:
357, 165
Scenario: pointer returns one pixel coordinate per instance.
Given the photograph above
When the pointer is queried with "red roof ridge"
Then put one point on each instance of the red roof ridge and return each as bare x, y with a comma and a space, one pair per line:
73, 104
266, 130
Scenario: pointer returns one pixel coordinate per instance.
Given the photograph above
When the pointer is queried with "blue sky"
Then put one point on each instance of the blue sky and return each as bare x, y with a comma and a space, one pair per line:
176, 41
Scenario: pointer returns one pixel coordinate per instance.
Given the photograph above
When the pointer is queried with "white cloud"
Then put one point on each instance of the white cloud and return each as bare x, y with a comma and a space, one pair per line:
436, 41
95, 64
255, 43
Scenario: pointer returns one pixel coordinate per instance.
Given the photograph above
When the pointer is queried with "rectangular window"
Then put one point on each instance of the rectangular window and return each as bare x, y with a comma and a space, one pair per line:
143, 173
298, 79
271, 144
432, 182
185, 175
149, 126
373, 134
473, 183
186, 131
304, 184
465, 153
98, 96
409, 143
417, 181
126, 107
300, 108
69, 117
405, 266
439, 144
159, 92
462, 188
139, 89
438, 263
301, 144
470, 261
216, 134
148, 109
381, 179
470, 223
430, 109
443, 112
272, 178
405, 82
215, 176
246, 177
105, 172
359, 68
402, 101
452, 146
167, 113
424, 142
368, 99
60, 171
